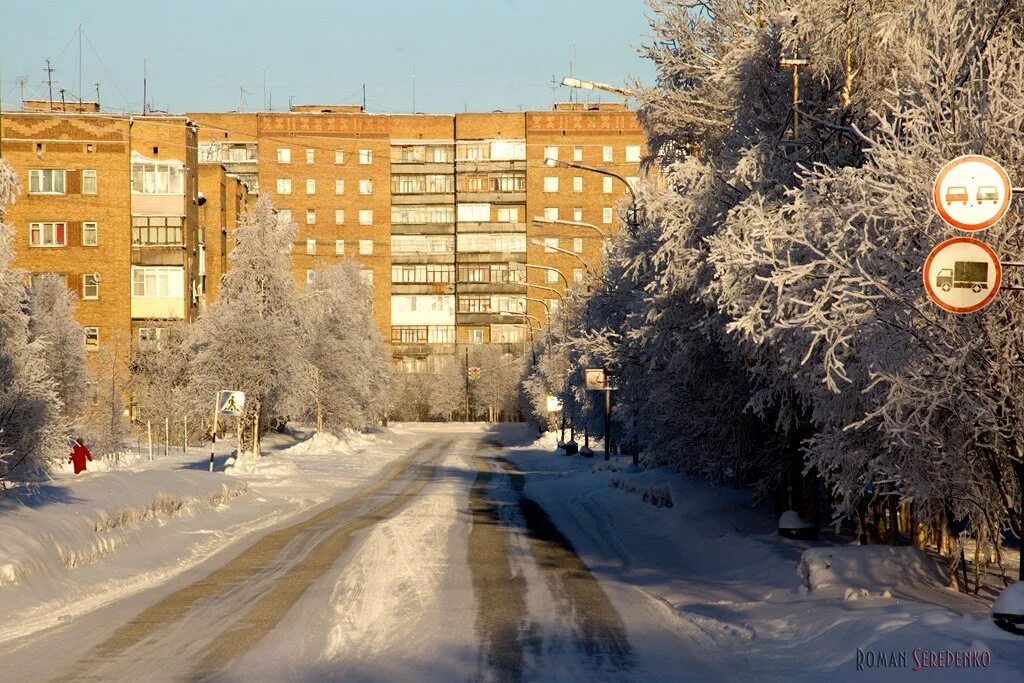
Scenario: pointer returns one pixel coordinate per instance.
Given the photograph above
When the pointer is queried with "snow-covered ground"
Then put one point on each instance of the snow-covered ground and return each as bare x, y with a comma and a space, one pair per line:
743, 604
78, 543
420, 553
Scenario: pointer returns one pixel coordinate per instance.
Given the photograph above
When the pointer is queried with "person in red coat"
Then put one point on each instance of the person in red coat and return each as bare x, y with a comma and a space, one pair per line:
79, 454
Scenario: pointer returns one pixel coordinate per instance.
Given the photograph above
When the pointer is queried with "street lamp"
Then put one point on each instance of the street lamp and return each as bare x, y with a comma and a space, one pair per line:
540, 220
570, 82
513, 264
605, 172
538, 243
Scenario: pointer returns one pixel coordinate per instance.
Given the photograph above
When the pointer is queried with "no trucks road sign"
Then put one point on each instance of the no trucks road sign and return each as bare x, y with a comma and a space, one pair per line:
972, 192
962, 275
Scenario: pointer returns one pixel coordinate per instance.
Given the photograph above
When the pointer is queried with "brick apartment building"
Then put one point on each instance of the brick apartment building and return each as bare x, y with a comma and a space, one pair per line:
438, 209
138, 212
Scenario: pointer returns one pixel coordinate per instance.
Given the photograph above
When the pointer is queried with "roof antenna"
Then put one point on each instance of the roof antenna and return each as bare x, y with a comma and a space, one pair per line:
49, 81
145, 69
97, 95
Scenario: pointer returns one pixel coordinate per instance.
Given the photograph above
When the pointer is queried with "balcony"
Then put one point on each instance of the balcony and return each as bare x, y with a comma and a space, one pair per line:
488, 318
400, 349
471, 165
492, 288
488, 197
489, 256
425, 167
491, 226
423, 228
422, 287
422, 257
423, 198
158, 308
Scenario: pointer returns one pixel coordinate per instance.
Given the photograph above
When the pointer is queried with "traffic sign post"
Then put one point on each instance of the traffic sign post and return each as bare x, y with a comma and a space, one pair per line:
972, 192
473, 374
225, 402
962, 275
596, 379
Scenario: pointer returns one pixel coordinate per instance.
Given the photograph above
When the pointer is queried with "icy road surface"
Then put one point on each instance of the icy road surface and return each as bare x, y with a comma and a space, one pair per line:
455, 559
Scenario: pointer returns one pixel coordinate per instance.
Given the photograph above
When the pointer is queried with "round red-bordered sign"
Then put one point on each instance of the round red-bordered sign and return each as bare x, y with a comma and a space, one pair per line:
962, 275
972, 192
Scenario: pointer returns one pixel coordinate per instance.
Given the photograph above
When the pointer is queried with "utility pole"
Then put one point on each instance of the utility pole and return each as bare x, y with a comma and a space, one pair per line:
80, 67
364, 96
467, 384
795, 63
49, 82
21, 86
97, 95
63, 106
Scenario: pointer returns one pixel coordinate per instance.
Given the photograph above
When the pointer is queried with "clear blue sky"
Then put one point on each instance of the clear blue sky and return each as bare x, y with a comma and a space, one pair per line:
476, 55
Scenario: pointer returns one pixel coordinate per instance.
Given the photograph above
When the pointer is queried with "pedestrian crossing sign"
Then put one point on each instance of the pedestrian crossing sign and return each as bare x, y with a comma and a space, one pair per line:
230, 402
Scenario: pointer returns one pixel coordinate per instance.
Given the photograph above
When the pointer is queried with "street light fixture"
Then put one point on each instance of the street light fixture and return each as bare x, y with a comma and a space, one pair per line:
538, 243
514, 264
570, 82
602, 171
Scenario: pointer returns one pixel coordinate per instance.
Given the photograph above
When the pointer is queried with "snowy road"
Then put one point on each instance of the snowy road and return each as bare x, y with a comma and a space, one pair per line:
457, 559
437, 569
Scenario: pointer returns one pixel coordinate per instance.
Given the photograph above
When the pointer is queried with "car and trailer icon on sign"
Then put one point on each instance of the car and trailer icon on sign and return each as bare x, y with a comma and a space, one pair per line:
971, 275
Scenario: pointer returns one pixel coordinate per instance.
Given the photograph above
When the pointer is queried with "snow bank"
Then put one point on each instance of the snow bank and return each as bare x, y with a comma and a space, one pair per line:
853, 572
344, 442
658, 495
64, 527
1011, 600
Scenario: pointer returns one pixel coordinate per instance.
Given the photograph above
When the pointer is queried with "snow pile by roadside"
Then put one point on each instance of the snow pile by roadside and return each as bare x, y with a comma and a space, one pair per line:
854, 571
68, 524
342, 442
110, 461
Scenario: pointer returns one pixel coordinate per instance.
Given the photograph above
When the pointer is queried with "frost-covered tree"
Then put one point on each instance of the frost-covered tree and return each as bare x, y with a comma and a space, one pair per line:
160, 384
250, 339
31, 429
351, 374
106, 426
61, 339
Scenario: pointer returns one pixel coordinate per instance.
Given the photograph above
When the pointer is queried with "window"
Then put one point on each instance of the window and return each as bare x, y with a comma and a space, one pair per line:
633, 153
311, 247
339, 186
550, 245
606, 153
476, 336
485, 242
367, 276
553, 305
365, 156
339, 156
577, 275
284, 215
474, 213
161, 282
89, 181
551, 151
577, 245
365, 216
92, 338
577, 214
339, 216
310, 217
309, 155
551, 213
47, 234
550, 183
339, 247
422, 244
46, 181
91, 286
284, 155
284, 186
507, 334
508, 150
365, 186
577, 183
551, 276
508, 214
365, 247
606, 185
606, 214
577, 153
310, 186
151, 334
310, 276
90, 234
431, 213
157, 179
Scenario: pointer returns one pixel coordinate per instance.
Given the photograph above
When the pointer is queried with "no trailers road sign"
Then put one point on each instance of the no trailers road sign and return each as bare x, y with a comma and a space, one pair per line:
962, 275
972, 192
